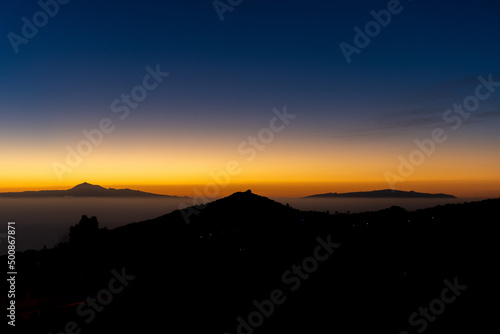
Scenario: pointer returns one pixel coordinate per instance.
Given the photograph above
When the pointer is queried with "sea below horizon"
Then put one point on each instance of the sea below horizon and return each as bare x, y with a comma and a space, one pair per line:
45, 221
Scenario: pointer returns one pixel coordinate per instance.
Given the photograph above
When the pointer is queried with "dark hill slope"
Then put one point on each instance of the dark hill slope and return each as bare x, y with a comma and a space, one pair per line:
203, 275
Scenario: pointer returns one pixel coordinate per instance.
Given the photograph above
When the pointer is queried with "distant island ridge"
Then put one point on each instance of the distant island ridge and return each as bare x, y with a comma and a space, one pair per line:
86, 190
385, 193
90, 190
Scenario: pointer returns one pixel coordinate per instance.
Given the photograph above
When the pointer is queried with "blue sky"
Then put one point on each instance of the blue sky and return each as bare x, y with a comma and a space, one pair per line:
226, 76
263, 53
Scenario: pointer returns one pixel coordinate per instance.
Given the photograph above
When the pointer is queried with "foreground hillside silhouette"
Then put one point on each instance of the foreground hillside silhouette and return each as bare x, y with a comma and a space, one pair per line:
203, 276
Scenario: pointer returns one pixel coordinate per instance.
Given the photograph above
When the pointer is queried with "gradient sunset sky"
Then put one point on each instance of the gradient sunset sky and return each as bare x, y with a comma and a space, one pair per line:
353, 120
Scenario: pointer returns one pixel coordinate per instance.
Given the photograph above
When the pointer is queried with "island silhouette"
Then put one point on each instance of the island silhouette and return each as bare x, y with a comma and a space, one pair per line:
385, 193
85, 190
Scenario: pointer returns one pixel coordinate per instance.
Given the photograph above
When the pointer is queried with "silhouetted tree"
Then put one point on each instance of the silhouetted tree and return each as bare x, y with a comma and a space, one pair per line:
84, 232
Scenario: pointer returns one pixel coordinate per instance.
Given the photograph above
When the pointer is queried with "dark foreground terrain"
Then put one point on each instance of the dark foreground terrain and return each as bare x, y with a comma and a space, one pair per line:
246, 264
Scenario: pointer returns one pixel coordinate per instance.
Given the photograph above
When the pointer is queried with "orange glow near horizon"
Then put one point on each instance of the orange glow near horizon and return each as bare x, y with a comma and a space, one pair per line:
461, 189
285, 168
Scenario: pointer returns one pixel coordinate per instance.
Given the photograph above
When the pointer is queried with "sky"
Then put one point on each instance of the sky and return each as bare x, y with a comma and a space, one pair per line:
288, 98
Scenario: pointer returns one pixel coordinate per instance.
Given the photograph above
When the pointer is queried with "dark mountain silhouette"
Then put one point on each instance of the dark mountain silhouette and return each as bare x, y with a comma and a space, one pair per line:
84, 190
386, 193
208, 275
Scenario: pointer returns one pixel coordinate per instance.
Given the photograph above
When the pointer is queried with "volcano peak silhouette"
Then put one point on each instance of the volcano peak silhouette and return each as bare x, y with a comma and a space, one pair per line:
86, 189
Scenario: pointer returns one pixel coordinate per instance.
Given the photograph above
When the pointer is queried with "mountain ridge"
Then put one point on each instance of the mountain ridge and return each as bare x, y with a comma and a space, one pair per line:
85, 190
384, 193
242, 247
